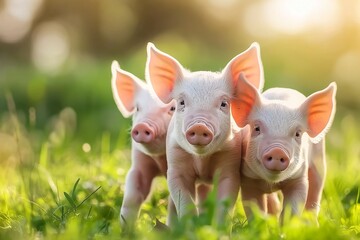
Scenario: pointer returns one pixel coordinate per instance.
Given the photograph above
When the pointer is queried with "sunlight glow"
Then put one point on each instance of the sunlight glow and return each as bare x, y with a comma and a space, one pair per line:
291, 16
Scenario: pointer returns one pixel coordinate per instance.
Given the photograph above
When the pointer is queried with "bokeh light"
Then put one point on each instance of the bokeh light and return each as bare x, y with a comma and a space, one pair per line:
16, 18
50, 46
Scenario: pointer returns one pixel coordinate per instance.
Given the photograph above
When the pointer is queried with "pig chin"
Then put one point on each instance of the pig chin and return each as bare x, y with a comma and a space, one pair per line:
274, 176
154, 148
201, 150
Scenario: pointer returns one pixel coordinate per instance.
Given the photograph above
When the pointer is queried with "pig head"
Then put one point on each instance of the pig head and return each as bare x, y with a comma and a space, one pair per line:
202, 139
150, 120
283, 129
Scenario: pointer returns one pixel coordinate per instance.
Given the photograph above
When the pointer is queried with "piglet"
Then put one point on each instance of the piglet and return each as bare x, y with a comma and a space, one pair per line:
150, 120
284, 143
203, 141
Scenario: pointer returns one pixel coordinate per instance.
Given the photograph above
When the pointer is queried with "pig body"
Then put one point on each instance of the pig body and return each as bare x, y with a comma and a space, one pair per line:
284, 145
203, 141
150, 120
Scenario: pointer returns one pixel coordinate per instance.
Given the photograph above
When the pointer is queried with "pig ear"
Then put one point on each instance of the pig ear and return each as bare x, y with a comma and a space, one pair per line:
320, 109
162, 72
124, 87
248, 62
244, 102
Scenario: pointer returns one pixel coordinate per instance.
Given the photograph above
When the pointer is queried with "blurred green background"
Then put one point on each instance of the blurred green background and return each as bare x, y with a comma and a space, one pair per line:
57, 54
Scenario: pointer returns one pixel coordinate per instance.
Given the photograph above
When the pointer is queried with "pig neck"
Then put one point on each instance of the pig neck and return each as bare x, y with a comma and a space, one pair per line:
161, 162
156, 151
153, 149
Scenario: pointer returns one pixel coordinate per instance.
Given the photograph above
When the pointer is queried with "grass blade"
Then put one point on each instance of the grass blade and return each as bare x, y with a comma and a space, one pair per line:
88, 196
74, 189
70, 200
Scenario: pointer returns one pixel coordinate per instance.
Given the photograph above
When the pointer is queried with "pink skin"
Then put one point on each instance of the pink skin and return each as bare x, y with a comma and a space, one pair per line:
150, 119
281, 150
203, 141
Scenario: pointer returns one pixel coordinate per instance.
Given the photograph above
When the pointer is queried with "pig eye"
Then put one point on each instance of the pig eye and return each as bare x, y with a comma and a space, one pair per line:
181, 105
172, 110
298, 135
224, 104
256, 130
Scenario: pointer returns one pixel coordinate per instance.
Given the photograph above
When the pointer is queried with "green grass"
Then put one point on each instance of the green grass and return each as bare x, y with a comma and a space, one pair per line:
61, 191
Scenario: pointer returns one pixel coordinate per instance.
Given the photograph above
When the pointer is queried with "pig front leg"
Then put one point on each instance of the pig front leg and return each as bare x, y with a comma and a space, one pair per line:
273, 204
202, 191
172, 215
182, 189
295, 194
250, 193
316, 175
228, 190
137, 188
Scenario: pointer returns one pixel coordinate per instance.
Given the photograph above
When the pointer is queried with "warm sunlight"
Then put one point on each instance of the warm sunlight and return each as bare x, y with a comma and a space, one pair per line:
292, 16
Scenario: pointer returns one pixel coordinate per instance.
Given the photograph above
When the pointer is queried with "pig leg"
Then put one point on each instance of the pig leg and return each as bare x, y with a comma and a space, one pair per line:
202, 191
295, 194
172, 215
137, 188
252, 195
316, 175
182, 190
228, 190
273, 204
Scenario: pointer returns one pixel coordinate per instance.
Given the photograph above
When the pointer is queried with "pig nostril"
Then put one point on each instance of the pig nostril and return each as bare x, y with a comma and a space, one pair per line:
282, 160
269, 159
136, 132
147, 133
192, 134
205, 134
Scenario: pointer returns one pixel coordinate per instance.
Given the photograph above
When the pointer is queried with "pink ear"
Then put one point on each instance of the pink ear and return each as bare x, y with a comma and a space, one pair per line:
162, 72
320, 109
248, 62
243, 103
124, 87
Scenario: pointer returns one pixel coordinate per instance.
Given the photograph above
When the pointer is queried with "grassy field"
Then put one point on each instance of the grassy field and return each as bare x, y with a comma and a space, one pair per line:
63, 169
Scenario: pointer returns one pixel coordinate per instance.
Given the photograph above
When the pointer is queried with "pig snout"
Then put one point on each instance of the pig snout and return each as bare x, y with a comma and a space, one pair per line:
276, 159
143, 133
199, 134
